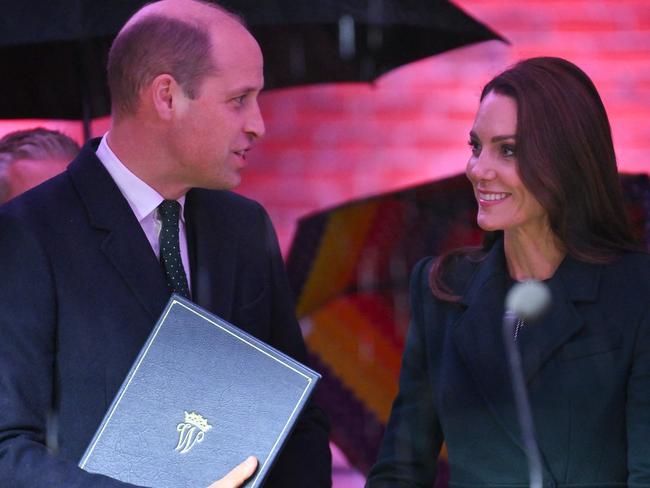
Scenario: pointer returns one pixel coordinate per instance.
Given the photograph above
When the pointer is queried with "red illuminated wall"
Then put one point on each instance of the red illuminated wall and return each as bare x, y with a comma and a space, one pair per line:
327, 144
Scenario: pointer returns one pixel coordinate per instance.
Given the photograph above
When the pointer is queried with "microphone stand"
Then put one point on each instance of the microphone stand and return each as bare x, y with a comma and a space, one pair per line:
524, 413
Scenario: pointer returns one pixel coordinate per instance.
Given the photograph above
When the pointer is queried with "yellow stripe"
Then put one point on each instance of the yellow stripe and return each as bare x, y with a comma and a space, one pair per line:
363, 360
337, 257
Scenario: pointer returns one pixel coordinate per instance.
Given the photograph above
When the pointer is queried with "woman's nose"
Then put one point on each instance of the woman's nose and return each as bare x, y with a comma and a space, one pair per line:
480, 167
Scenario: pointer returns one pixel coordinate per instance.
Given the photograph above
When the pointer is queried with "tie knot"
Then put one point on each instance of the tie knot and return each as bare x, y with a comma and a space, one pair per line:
169, 210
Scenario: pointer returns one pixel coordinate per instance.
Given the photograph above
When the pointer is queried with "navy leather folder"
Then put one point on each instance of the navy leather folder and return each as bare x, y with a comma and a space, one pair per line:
201, 396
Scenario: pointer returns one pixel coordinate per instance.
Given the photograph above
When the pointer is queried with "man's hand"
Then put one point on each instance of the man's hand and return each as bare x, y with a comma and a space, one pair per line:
238, 475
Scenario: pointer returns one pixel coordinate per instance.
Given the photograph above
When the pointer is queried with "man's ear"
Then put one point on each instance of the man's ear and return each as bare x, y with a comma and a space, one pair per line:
167, 96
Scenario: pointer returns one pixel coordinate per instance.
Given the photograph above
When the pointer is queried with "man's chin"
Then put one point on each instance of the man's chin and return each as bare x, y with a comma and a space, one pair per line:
229, 183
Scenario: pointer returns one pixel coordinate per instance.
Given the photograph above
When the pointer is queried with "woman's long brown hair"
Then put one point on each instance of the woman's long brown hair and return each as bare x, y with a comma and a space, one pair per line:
566, 159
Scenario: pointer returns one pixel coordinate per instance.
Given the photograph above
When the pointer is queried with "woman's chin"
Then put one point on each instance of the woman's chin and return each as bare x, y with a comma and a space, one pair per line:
488, 225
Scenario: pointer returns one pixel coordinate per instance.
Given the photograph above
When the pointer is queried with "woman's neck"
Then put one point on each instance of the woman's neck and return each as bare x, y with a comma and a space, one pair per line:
532, 255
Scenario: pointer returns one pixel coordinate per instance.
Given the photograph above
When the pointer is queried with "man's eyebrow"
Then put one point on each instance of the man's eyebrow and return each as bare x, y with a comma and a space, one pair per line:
248, 89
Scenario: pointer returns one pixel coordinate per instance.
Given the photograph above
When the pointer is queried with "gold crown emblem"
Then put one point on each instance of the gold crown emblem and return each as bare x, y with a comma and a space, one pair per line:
197, 420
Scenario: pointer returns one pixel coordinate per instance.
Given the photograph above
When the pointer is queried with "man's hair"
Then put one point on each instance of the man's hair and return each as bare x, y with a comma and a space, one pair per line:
155, 45
39, 144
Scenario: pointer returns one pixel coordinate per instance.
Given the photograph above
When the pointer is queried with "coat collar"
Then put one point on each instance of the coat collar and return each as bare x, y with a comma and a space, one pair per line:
122, 240
478, 331
583, 278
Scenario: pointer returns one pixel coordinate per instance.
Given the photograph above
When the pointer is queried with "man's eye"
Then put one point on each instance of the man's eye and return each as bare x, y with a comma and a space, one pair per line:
475, 147
239, 100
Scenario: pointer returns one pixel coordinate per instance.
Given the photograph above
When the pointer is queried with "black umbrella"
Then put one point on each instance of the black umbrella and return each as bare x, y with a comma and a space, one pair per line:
53, 54
353, 40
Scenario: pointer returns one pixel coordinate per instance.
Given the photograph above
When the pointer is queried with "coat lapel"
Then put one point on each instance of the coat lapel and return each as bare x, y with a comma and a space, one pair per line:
213, 255
123, 241
478, 338
573, 282
478, 331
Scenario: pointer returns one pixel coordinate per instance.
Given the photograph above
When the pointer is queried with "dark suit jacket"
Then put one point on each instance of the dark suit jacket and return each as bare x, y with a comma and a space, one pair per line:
80, 291
586, 365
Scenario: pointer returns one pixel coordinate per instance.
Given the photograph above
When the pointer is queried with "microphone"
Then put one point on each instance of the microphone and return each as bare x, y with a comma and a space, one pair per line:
528, 300
525, 301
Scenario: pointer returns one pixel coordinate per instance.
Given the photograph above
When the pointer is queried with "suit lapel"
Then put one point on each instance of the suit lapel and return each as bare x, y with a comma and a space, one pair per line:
213, 255
124, 243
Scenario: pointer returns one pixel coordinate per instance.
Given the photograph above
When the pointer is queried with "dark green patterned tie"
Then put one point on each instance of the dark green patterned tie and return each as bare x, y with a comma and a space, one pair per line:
170, 251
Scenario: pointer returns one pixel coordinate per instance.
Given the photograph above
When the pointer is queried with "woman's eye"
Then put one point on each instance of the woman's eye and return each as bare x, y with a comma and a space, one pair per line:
508, 150
475, 147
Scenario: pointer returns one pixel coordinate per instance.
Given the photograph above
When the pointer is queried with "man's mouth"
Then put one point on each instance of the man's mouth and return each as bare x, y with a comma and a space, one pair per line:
241, 153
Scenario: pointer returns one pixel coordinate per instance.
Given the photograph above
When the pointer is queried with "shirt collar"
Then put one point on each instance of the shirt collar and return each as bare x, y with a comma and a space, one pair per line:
142, 199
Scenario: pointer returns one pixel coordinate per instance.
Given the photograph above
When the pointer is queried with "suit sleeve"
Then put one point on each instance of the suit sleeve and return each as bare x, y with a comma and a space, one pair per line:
305, 459
409, 451
27, 371
638, 409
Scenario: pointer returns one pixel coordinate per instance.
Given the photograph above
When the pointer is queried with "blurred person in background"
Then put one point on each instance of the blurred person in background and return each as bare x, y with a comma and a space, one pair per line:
544, 173
29, 157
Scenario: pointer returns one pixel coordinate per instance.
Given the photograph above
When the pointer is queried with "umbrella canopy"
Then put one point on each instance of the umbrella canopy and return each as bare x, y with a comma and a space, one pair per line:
54, 53
349, 268
308, 42
53, 56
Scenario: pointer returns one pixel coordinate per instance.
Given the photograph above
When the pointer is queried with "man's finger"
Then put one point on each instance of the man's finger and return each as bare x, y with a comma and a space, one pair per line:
238, 475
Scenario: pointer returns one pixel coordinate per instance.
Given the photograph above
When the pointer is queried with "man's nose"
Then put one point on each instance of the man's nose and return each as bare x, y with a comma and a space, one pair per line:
255, 123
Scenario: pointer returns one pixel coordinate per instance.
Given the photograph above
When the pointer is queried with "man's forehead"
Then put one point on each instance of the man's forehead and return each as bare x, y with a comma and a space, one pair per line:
236, 81
233, 46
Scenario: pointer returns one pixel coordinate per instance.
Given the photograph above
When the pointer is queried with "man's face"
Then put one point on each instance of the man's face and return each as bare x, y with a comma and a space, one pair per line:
211, 134
24, 174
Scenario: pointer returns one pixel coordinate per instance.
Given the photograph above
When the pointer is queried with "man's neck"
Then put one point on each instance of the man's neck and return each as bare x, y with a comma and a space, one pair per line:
144, 153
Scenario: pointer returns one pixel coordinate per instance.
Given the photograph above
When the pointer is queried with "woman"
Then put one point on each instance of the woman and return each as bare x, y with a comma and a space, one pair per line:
544, 174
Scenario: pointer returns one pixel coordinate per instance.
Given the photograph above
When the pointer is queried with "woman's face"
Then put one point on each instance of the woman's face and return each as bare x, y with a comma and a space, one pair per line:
504, 203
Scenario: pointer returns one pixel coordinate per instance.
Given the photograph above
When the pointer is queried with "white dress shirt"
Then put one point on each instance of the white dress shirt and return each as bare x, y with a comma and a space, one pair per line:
144, 202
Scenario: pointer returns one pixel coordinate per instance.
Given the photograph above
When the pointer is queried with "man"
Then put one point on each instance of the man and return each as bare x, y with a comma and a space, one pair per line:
82, 282
29, 157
